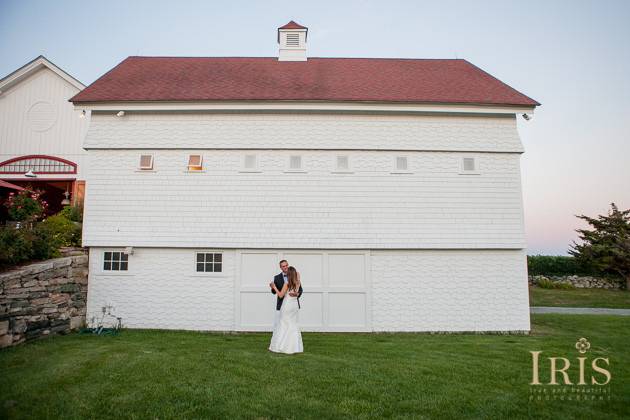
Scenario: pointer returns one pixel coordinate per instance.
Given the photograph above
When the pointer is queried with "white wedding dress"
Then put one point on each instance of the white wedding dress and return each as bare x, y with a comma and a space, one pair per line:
286, 337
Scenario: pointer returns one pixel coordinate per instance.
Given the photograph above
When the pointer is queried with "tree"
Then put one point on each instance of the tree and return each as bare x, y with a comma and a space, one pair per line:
607, 246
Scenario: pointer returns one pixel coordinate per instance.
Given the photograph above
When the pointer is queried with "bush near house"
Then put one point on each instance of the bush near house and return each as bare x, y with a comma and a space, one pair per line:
33, 238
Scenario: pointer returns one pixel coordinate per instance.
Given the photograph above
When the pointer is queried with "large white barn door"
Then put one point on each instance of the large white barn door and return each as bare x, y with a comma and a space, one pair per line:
336, 283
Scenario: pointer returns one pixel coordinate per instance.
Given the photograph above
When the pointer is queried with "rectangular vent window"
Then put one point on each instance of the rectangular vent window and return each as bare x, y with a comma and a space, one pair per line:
295, 162
342, 162
401, 163
250, 161
146, 162
195, 163
469, 164
293, 40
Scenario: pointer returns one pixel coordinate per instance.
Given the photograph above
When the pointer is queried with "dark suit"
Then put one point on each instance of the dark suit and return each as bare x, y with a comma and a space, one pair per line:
279, 282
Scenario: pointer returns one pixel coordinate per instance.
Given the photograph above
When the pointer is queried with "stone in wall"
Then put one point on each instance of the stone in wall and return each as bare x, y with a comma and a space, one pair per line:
581, 282
43, 298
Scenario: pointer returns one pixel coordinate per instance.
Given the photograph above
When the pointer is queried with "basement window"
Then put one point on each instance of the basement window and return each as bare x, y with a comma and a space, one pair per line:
115, 261
195, 163
209, 262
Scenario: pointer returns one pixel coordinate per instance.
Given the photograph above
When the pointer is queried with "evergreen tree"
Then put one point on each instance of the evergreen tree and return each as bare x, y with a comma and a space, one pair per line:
607, 246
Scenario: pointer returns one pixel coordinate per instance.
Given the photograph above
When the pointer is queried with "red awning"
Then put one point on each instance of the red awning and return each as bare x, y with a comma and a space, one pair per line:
5, 184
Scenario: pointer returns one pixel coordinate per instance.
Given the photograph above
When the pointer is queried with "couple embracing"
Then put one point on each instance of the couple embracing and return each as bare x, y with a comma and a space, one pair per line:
286, 337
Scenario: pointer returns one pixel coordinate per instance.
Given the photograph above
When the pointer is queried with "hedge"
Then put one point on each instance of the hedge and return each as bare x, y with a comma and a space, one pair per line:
548, 265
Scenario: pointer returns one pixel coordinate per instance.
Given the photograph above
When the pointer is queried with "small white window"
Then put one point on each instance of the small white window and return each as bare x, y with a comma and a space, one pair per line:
115, 261
295, 162
469, 165
209, 262
146, 162
343, 163
195, 163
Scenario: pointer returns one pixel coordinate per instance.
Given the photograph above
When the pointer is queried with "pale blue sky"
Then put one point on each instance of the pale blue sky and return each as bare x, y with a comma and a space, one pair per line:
572, 56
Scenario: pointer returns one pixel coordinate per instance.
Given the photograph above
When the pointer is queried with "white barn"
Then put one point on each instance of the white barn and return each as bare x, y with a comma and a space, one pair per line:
41, 134
393, 186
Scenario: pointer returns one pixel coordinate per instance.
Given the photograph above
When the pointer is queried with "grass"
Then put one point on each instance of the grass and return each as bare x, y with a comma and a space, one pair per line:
179, 374
579, 298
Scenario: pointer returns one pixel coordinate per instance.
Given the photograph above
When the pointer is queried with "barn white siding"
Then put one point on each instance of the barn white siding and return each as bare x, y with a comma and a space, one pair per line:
351, 290
161, 289
36, 118
431, 206
304, 131
426, 248
450, 290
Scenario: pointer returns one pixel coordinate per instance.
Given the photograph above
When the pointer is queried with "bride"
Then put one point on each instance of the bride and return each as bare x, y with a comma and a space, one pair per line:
286, 336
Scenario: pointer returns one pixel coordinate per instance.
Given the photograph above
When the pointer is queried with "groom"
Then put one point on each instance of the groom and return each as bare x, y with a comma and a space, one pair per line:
280, 280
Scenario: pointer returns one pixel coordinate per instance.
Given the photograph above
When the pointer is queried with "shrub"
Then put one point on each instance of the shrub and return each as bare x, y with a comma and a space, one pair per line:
550, 284
60, 231
39, 242
45, 242
15, 246
25, 206
72, 213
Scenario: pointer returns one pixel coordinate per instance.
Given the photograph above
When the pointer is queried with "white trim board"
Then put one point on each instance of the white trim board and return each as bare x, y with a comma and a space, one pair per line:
32, 67
302, 106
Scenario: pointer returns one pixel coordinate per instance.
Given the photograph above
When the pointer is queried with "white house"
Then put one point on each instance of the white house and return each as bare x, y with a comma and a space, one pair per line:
392, 185
41, 134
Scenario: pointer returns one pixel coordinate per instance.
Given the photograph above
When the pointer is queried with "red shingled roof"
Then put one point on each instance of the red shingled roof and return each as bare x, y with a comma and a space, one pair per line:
318, 79
293, 25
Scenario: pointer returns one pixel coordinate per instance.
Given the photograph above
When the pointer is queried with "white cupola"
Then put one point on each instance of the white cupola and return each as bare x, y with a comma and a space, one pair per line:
292, 41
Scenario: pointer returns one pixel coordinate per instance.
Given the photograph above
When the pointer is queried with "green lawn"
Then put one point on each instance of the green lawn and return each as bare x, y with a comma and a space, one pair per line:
178, 374
579, 298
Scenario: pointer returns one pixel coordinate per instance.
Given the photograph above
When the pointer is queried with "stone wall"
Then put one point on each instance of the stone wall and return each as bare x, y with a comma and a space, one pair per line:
42, 299
581, 282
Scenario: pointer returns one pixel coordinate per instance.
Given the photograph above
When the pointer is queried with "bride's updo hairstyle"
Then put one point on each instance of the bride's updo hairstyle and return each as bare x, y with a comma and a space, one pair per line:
292, 278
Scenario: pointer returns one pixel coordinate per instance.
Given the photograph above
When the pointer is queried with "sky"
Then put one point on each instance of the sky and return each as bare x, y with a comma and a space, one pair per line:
571, 56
